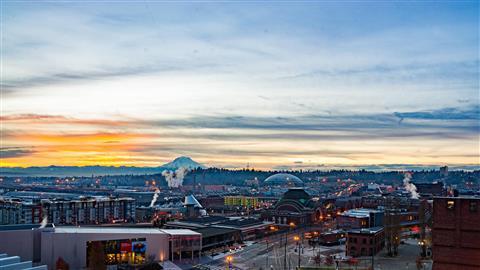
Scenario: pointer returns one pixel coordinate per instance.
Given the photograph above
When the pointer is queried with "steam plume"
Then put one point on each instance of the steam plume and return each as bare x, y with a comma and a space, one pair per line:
410, 187
44, 222
175, 179
155, 197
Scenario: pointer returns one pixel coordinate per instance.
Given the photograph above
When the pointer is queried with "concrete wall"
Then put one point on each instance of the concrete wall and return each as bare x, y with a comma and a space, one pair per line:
18, 243
72, 247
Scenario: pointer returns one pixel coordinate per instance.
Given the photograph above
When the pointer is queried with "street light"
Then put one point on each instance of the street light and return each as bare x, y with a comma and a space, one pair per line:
297, 239
272, 229
229, 260
291, 225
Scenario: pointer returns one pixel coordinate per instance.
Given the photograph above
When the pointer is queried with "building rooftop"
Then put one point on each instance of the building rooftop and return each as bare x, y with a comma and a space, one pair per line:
467, 197
205, 220
214, 231
191, 200
361, 212
14, 262
372, 230
179, 232
123, 230
17, 227
283, 179
242, 222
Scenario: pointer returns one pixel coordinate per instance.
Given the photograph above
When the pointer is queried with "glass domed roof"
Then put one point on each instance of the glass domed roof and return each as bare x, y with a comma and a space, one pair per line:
283, 179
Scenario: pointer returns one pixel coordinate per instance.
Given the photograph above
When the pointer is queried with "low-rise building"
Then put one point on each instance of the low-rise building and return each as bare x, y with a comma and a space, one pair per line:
430, 189
241, 201
79, 247
365, 241
240, 228
360, 218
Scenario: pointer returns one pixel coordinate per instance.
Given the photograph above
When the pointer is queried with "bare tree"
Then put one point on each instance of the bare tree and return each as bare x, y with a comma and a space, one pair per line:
61, 264
96, 257
392, 226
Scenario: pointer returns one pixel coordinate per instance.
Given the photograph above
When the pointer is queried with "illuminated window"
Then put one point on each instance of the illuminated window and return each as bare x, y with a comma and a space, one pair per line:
473, 206
450, 204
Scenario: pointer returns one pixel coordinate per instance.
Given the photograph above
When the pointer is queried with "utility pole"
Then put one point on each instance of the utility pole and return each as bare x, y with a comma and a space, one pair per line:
291, 225
285, 255
297, 239
374, 249
299, 258
266, 266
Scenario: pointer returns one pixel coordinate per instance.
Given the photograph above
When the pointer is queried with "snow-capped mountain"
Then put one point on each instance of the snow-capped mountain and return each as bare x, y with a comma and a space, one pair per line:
183, 162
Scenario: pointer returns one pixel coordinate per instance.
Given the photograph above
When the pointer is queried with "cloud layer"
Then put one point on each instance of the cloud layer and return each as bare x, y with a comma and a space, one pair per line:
271, 84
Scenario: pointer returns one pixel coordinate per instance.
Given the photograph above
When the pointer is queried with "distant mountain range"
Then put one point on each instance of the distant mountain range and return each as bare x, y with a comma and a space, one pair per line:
185, 162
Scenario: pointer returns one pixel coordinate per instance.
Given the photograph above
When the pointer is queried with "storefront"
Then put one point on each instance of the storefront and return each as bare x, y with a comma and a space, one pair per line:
114, 252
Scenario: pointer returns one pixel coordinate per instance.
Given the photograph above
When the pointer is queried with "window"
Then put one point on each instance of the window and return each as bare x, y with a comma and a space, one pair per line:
450, 204
473, 206
364, 241
371, 241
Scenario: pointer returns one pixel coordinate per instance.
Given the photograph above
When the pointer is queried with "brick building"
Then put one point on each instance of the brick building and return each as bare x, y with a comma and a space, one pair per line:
365, 242
430, 189
456, 233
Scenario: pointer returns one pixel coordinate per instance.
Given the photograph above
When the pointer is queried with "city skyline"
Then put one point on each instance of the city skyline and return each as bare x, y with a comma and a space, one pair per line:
274, 85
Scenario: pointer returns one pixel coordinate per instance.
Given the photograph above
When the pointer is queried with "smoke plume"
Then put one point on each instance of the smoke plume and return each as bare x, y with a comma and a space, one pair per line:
175, 179
410, 187
155, 197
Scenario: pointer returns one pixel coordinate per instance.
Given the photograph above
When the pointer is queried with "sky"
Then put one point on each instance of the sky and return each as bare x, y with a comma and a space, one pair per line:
275, 85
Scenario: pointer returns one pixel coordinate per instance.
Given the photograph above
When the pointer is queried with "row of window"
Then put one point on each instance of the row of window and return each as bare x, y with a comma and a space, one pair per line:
473, 206
364, 240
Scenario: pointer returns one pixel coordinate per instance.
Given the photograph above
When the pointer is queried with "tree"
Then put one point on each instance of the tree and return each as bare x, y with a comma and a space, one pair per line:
392, 226
61, 264
96, 257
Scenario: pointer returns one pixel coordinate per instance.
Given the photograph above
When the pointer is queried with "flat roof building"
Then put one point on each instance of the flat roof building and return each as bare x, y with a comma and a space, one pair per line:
360, 218
79, 246
456, 233
365, 242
